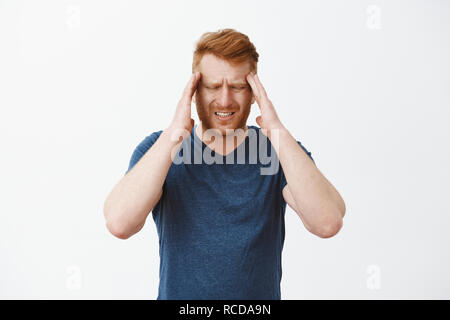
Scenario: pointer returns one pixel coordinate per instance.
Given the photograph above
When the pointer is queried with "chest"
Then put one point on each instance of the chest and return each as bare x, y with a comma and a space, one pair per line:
220, 183
219, 204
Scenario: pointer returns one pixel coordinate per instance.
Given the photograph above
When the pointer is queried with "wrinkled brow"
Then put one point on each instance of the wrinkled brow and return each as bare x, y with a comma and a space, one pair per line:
218, 83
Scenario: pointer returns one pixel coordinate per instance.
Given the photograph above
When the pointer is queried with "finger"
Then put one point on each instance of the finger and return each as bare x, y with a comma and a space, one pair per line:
261, 89
190, 88
252, 83
259, 121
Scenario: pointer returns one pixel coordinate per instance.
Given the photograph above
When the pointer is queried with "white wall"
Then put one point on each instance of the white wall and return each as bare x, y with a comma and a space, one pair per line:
365, 85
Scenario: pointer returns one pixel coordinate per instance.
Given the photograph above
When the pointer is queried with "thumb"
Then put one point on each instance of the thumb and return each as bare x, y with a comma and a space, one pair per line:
259, 121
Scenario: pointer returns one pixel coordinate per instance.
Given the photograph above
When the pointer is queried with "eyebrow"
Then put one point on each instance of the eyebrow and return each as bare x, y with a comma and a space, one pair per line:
216, 83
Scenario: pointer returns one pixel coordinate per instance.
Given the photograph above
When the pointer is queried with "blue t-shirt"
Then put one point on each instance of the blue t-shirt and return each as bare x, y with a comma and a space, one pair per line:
220, 225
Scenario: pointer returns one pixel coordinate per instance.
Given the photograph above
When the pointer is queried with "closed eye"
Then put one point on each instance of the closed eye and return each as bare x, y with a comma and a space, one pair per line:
217, 87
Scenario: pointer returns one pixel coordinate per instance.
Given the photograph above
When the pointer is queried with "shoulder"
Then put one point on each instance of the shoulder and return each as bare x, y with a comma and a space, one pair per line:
143, 147
149, 140
254, 131
253, 128
260, 132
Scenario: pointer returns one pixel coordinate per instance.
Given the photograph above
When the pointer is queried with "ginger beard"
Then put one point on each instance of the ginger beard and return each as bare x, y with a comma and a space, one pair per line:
209, 120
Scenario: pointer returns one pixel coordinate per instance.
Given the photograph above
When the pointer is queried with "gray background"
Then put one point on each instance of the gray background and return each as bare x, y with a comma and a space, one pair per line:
364, 85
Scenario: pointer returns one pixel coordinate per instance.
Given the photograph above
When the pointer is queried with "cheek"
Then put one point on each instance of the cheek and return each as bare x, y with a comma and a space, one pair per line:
204, 96
245, 99
201, 99
202, 103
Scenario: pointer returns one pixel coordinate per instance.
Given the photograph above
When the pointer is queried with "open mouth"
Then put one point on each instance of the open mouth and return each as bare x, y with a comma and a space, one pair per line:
224, 115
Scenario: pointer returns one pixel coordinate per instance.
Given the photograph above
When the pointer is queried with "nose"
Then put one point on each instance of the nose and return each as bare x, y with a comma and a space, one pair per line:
225, 99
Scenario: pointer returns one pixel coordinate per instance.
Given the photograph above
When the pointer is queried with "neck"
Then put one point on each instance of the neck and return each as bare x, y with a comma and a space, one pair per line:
226, 142
200, 131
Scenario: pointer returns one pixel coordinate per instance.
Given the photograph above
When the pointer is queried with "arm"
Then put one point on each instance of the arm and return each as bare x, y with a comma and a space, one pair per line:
308, 192
131, 200
134, 196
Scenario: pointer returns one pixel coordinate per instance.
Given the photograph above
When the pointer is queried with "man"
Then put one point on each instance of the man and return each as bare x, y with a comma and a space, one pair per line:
221, 223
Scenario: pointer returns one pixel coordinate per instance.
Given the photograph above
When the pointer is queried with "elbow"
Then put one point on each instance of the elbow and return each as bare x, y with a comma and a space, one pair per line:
329, 227
117, 230
343, 208
122, 223
113, 225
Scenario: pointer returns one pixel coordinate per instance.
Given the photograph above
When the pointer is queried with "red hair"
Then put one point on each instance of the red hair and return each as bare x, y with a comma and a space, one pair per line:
227, 44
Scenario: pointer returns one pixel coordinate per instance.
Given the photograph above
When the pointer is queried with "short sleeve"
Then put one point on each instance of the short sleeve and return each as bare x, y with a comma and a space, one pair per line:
142, 148
283, 178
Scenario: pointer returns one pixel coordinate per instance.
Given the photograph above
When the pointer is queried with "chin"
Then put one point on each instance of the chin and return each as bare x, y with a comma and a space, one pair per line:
223, 127
223, 130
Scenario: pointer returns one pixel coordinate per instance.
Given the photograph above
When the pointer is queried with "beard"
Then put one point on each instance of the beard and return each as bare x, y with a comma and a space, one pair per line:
208, 120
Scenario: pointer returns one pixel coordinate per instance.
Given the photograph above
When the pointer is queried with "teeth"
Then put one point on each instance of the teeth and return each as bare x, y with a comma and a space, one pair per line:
224, 114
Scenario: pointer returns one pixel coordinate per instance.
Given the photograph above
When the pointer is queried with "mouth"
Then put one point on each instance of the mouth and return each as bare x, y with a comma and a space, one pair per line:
224, 115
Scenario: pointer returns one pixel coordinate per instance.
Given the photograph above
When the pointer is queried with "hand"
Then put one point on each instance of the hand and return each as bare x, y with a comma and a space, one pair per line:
268, 119
182, 119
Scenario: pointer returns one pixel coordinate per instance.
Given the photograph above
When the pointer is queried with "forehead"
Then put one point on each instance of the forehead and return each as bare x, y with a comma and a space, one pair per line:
215, 70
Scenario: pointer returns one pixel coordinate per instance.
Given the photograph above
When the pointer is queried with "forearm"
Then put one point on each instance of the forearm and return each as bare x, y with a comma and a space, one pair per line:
315, 197
134, 196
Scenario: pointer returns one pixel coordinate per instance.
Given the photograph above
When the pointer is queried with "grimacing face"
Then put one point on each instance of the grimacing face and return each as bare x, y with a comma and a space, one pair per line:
223, 97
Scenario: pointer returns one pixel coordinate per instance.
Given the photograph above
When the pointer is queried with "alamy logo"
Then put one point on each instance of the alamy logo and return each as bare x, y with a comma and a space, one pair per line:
259, 147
